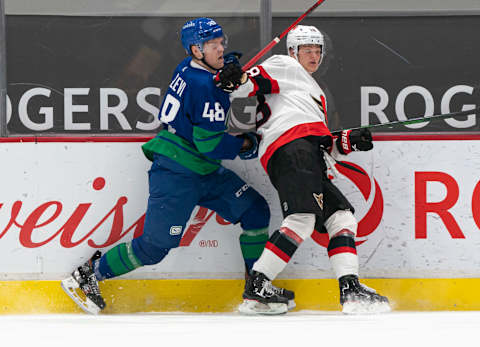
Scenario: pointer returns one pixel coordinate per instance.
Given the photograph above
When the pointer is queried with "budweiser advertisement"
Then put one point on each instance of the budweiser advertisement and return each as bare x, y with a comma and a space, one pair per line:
417, 203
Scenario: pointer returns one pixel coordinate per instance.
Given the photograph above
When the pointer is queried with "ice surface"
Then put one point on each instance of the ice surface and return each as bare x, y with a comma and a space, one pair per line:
305, 328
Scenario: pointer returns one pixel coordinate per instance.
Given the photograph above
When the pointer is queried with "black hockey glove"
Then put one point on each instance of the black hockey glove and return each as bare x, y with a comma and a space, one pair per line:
354, 140
231, 76
252, 151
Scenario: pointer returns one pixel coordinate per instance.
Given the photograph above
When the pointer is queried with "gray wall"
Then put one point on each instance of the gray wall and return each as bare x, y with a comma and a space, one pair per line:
239, 7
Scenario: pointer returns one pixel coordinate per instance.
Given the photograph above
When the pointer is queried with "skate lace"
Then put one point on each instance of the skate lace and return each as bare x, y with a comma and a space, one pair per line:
344, 290
368, 289
88, 281
276, 290
93, 285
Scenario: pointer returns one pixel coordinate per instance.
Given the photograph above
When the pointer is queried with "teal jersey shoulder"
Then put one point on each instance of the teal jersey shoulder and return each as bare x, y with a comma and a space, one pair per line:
193, 113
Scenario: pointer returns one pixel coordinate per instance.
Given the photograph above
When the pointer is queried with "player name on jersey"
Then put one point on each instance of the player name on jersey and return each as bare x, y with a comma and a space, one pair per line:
178, 85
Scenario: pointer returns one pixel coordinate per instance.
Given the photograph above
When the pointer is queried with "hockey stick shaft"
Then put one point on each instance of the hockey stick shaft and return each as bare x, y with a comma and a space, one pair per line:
475, 111
277, 39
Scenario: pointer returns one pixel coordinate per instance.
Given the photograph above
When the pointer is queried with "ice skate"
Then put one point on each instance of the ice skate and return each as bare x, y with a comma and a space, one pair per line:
82, 287
259, 297
357, 298
289, 294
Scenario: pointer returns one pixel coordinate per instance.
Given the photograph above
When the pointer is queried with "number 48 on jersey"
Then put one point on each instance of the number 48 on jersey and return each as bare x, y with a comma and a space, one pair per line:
216, 113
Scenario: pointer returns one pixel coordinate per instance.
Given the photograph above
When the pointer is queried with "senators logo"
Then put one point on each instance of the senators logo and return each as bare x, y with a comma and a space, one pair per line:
369, 223
319, 199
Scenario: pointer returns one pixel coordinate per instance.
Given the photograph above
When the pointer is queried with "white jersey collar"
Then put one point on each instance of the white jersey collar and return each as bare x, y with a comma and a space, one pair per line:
196, 65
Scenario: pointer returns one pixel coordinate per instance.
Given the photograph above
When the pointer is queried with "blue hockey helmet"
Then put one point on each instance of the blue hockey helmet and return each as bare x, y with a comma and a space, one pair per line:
199, 30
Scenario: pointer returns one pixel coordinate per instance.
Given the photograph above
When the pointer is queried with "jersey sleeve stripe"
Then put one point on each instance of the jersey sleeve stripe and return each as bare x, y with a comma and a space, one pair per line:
180, 145
264, 83
216, 145
206, 141
324, 104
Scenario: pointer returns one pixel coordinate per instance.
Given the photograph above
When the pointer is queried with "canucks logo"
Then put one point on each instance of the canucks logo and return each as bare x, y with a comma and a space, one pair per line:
175, 230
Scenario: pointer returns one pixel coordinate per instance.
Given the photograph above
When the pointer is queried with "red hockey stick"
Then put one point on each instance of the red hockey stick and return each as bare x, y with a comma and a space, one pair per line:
278, 38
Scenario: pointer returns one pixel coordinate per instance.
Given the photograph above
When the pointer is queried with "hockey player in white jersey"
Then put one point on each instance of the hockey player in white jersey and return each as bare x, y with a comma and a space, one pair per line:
292, 122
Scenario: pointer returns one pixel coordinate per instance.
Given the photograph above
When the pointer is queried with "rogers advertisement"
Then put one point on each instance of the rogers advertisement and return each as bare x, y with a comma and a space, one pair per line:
104, 75
417, 203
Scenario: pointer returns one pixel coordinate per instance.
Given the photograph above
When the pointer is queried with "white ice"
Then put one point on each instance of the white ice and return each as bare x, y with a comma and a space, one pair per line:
305, 328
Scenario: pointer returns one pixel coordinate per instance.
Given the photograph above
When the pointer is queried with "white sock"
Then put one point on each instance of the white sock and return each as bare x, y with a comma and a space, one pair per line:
269, 264
344, 264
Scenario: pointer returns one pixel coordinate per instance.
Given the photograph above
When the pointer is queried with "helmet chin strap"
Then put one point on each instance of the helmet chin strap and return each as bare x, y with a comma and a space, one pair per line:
205, 62
294, 51
203, 59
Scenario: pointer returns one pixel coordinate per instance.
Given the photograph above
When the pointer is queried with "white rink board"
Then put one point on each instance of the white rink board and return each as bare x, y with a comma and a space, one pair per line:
59, 177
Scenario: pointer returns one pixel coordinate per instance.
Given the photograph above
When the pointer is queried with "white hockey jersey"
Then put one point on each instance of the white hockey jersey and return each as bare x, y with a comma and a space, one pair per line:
291, 104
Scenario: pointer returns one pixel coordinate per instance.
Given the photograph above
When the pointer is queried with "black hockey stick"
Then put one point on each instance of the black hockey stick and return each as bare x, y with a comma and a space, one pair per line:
475, 111
332, 161
405, 122
348, 166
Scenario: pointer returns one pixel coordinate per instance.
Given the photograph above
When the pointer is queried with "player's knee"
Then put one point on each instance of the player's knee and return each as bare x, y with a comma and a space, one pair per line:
294, 230
302, 224
257, 216
341, 223
148, 253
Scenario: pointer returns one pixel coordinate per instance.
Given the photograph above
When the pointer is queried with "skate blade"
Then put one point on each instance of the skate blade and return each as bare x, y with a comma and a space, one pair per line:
366, 308
252, 307
71, 287
291, 305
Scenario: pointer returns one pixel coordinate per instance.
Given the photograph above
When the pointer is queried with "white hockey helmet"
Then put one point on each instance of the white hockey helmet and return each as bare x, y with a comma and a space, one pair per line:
304, 35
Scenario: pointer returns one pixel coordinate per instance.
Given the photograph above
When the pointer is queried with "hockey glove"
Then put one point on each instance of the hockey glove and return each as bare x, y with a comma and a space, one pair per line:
252, 151
231, 76
354, 140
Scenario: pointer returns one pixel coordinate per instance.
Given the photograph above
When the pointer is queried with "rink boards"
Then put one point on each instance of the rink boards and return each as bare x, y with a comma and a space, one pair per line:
417, 202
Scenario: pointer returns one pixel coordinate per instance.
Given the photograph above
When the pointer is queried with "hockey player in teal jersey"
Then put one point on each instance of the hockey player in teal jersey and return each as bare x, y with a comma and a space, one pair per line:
186, 171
